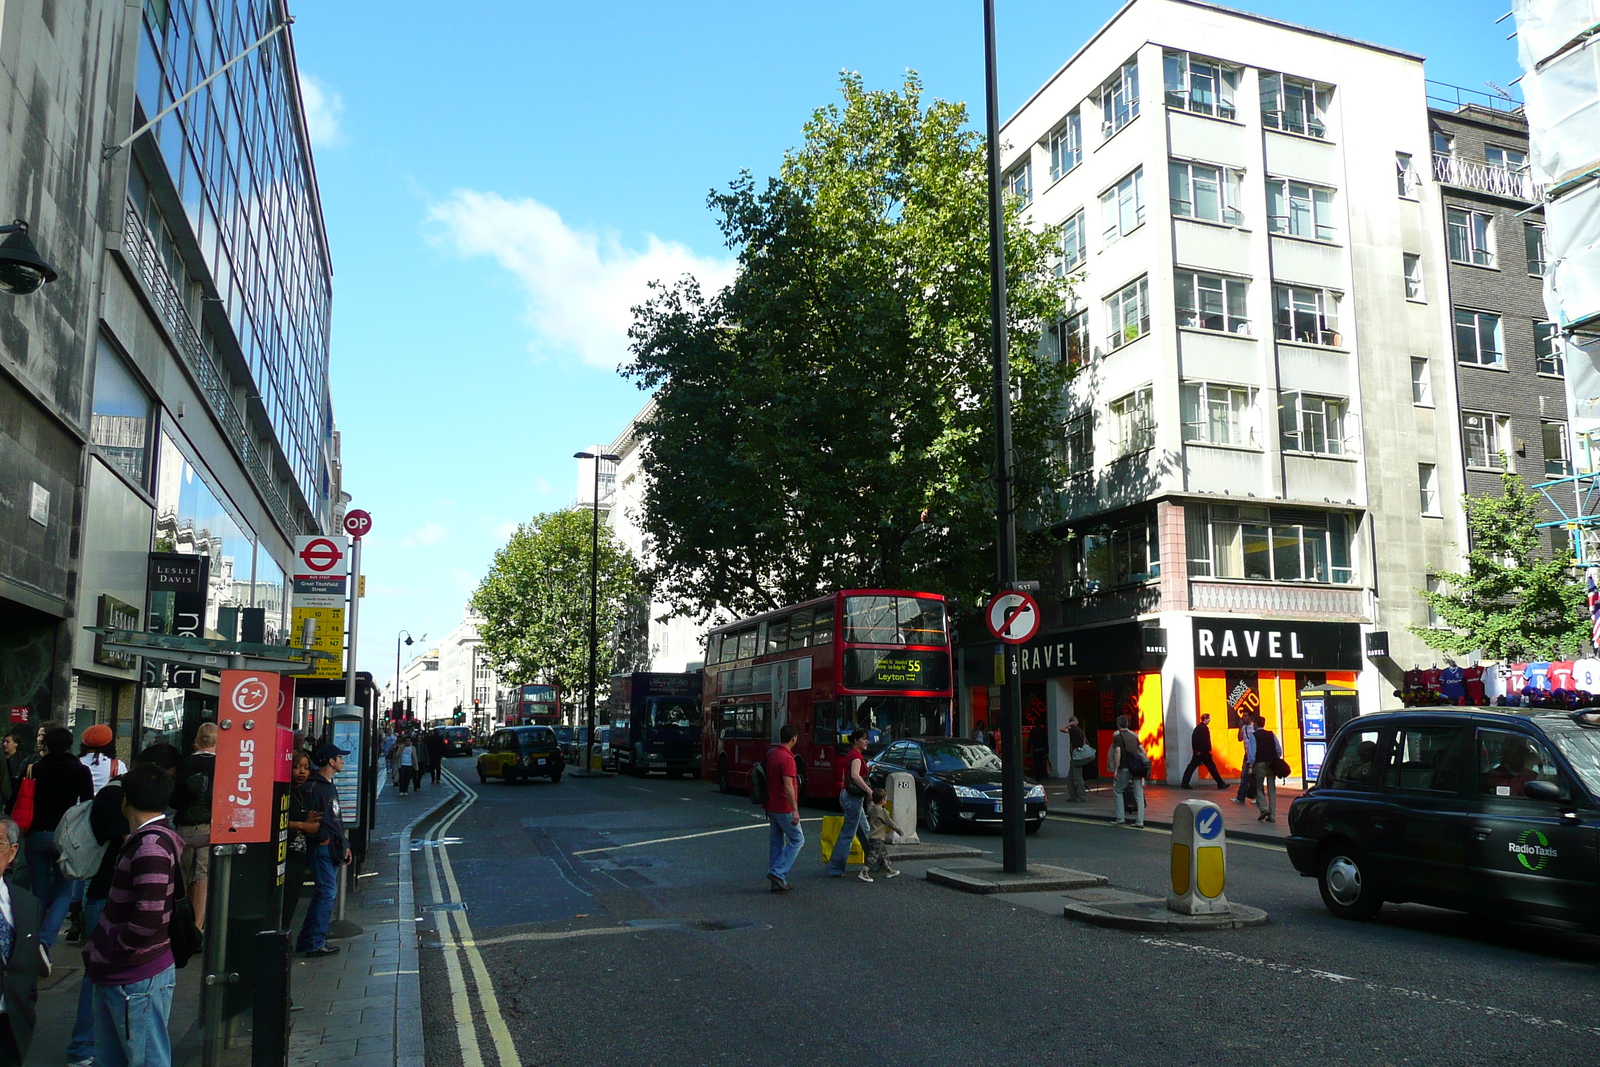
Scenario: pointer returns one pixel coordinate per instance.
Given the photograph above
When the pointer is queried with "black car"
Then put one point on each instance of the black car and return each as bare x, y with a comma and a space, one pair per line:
457, 740
1492, 810
958, 782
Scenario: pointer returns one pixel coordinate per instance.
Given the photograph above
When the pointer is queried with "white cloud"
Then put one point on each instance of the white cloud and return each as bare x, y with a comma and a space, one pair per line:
580, 285
429, 534
323, 108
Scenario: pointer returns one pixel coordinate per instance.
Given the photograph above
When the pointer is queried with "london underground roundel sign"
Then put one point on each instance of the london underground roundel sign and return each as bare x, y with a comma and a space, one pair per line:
321, 555
1012, 617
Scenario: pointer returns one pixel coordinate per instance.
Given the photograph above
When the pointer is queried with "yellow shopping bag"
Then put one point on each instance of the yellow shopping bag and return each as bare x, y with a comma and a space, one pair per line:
831, 825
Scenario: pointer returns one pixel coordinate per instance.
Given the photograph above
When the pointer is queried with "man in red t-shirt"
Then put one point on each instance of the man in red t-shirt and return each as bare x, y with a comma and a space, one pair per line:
784, 838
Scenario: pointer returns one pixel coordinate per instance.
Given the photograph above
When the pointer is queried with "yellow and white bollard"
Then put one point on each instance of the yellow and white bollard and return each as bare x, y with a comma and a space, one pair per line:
1199, 859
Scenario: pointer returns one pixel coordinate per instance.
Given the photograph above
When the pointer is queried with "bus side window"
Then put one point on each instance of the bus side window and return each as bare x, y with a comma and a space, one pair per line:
713, 650
763, 722
747, 643
822, 629
822, 720
778, 635
730, 647
800, 629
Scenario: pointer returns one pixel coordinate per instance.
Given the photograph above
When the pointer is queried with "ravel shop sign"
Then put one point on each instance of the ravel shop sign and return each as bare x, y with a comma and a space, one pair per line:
1277, 645
247, 739
1125, 646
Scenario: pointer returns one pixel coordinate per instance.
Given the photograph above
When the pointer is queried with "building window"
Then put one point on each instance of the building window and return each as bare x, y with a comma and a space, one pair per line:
1133, 426
1068, 339
1533, 241
1128, 313
1200, 85
1074, 244
1478, 338
1406, 175
1508, 159
1421, 383
1119, 98
1293, 105
1485, 438
1114, 555
1220, 414
1066, 146
1471, 235
1308, 316
1268, 544
1122, 206
122, 416
1443, 143
1019, 181
1199, 191
1435, 621
1557, 453
1212, 302
1077, 444
1413, 269
1313, 424
1547, 353
1300, 210
1428, 484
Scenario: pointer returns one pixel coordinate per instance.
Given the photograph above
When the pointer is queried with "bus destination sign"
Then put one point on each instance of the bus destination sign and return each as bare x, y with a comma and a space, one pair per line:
880, 668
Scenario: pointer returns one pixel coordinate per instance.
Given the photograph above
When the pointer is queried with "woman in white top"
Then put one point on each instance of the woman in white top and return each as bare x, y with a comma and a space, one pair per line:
99, 755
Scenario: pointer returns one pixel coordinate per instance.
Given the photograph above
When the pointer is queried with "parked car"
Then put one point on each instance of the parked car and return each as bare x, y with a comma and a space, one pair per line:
1491, 810
957, 782
519, 752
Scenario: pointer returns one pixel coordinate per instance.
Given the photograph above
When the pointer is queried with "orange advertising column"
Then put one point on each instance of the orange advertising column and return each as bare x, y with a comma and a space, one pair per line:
247, 741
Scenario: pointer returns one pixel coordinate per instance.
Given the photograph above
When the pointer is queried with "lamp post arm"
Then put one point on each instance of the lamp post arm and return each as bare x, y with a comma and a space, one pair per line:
112, 150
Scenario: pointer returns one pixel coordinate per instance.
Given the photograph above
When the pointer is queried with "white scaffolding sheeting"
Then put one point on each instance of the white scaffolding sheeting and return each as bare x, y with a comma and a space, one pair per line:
1572, 248
1545, 27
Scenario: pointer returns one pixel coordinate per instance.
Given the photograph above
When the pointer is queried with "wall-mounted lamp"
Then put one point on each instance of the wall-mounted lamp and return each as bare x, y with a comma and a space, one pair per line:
22, 269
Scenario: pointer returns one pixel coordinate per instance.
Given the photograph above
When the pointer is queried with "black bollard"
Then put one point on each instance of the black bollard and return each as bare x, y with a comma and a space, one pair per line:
270, 1000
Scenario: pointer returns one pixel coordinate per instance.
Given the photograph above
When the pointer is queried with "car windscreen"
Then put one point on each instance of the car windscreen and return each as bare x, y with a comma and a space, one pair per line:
1581, 746
565, 733
955, 756
675, 713
536, 737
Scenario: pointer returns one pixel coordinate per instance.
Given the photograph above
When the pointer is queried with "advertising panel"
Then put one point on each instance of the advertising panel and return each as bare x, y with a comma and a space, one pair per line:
247, 720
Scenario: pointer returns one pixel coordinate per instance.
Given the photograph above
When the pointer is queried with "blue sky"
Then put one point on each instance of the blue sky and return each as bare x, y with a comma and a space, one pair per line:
500, 177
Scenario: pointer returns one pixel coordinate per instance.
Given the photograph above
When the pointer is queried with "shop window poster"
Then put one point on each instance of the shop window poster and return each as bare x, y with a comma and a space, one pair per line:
1244, 695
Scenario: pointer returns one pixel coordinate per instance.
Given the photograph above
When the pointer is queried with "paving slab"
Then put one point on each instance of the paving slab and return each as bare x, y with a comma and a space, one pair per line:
1120, 909
914, 852
993, 878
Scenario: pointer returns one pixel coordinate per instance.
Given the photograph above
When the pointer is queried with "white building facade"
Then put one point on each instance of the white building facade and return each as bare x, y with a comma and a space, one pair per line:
1264, 389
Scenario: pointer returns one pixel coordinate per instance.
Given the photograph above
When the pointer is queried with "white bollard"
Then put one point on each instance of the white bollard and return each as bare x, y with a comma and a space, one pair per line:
902, 804
1199, 859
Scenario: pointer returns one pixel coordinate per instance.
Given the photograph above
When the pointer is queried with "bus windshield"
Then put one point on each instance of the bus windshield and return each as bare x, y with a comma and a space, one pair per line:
675, 713
894, 620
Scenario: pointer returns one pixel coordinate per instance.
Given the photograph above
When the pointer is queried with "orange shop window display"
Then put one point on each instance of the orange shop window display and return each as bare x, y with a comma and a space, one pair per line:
1097, 700
1229, 695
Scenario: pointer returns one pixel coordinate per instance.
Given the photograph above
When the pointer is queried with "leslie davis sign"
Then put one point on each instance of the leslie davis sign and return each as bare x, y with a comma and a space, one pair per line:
241, 795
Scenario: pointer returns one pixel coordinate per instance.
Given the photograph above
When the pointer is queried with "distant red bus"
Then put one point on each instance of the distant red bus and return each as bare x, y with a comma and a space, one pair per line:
872, 658
534, 705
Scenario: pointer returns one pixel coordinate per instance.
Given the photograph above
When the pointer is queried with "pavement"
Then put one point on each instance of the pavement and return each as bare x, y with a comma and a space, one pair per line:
1160, 799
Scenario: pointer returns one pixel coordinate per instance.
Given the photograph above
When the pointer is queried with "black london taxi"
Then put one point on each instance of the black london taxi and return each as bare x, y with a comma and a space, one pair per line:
1485, 810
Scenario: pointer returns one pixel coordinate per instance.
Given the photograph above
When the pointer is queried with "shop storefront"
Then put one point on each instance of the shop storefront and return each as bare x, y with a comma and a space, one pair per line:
1258, 666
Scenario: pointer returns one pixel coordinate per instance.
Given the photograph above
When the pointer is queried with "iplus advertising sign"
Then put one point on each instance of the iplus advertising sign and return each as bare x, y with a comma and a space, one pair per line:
241, 795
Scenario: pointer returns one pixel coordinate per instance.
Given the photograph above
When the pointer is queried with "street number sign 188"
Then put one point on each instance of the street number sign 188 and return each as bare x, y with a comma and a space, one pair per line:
1012, 617
357, 523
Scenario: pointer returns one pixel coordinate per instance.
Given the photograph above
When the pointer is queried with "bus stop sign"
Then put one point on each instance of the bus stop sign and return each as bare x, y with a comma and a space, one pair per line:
1012, 617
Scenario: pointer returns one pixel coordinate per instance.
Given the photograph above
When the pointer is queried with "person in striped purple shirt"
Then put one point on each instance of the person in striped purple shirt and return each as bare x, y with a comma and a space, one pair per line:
129, 956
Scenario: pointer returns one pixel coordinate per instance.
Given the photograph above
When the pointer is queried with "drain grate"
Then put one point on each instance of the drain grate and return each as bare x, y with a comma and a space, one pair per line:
456, 906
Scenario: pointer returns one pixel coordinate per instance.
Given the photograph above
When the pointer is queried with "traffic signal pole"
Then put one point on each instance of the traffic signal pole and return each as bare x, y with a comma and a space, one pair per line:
1014, 839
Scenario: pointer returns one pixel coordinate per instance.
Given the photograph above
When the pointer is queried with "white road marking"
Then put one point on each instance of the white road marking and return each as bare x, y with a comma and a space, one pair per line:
680, 837
1341, 979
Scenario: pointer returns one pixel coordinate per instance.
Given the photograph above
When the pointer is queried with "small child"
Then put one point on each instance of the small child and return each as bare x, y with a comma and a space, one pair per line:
882, 825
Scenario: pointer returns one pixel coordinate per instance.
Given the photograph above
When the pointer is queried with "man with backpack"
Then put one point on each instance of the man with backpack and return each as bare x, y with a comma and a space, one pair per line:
1131, 767
192, 804
130, 955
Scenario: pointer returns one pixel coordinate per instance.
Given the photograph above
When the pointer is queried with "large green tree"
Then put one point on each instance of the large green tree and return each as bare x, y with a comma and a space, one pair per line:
535, 601
1512, 602
825, 420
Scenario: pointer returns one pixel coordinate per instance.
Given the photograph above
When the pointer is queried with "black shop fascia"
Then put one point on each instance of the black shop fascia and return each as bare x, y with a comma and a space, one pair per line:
1119, 648
1276, 645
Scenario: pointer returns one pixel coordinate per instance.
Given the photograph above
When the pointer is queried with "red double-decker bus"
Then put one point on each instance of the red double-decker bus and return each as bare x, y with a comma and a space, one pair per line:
534, 705
872, 658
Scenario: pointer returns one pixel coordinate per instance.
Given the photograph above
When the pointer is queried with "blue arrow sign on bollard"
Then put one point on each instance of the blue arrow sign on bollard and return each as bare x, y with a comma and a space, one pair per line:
1208, 824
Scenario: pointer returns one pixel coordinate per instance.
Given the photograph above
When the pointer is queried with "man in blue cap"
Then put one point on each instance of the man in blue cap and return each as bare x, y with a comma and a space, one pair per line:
327, 850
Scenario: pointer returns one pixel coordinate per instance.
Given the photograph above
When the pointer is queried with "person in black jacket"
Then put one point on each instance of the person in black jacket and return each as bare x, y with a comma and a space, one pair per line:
60, 781
1200, 745
191, 800
303, 823
28, 961
328, 850
110, 827
436, 746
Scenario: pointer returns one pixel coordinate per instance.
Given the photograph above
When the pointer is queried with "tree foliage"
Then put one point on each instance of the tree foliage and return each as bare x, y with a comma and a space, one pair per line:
825, 420
1511, 603
535, 601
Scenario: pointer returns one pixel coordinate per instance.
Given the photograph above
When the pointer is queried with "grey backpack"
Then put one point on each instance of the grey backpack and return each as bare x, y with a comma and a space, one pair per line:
80, 853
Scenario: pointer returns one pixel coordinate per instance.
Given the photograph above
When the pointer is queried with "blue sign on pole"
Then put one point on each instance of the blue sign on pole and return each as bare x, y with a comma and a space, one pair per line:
1208, 824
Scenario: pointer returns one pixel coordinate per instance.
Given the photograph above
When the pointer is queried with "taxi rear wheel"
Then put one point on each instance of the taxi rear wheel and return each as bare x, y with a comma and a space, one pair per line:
1346, 884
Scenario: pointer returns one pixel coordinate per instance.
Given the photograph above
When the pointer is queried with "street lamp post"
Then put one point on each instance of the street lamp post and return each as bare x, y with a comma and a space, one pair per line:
1014, 855
594, 588
397, 665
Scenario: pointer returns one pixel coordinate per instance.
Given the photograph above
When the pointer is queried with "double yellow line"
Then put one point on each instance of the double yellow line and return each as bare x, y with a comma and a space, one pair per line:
458, 940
